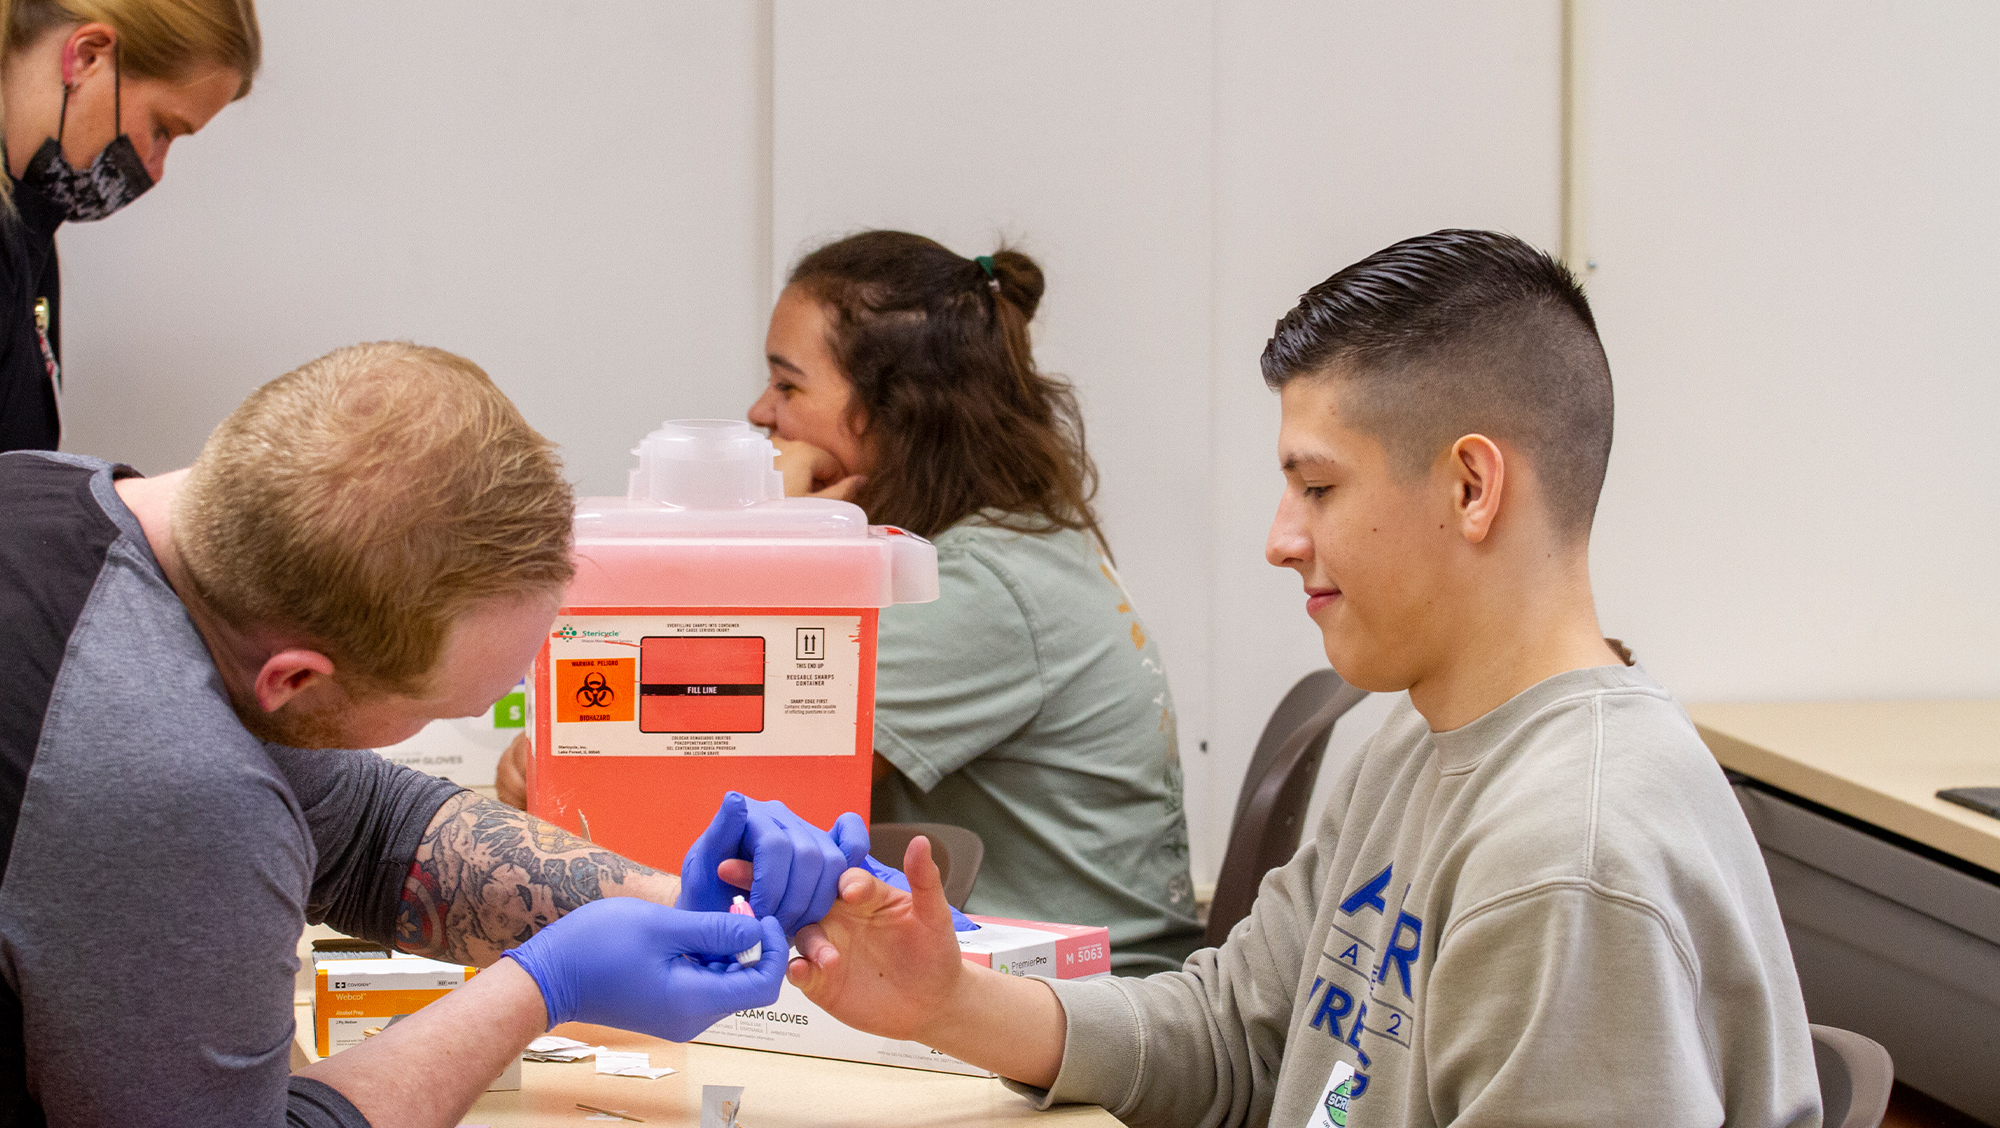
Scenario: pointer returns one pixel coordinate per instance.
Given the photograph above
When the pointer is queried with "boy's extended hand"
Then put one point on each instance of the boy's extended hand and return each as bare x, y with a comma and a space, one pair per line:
887, 962
883, 960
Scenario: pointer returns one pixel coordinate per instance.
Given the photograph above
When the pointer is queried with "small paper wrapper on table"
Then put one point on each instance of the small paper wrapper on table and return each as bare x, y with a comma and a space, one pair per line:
720, 1105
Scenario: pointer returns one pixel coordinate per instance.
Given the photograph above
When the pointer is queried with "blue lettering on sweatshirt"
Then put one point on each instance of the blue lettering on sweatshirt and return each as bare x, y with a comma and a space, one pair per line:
1369, 895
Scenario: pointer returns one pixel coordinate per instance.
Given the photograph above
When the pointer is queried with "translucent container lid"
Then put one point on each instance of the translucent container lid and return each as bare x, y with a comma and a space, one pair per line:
705, 522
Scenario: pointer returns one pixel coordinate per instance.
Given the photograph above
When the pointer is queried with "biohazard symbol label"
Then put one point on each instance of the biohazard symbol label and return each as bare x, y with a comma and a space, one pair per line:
595, 689
595, 693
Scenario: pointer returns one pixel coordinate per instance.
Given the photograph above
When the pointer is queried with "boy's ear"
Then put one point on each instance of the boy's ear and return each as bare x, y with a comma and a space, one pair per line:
1479, 478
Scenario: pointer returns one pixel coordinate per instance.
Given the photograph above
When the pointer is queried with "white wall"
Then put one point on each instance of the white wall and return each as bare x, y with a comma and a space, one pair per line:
1792, 211
575, 203
1340, 129
974, 124
1790, 214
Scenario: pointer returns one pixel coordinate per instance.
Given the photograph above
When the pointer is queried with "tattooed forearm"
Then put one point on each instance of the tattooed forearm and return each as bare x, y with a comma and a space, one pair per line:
487, 876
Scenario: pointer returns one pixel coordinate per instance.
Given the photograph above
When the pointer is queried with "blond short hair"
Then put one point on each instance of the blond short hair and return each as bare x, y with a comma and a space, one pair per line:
368, 499
156, 38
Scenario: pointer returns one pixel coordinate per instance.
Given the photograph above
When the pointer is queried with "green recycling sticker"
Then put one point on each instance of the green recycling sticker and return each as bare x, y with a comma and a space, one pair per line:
511, 711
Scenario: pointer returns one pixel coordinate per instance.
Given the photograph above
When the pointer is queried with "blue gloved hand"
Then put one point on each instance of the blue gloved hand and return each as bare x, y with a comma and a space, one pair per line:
624, 962
795, 866
853, 838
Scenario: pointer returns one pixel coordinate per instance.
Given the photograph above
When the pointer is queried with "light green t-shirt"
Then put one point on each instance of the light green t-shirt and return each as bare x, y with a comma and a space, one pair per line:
1029, 704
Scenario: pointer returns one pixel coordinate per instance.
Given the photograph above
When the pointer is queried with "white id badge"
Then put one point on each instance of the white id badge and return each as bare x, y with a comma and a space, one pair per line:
1331, 1111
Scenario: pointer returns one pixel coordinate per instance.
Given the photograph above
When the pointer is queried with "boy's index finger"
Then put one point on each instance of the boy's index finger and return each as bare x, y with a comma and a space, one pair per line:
856, 884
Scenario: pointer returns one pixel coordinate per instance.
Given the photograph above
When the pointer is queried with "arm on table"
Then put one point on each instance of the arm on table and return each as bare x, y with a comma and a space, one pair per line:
428, 1069
785, 866
619, 961
589, 938
887, 962
510, 775
486, 877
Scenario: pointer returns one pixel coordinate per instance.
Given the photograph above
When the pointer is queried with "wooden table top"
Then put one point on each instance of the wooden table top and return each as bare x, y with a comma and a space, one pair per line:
779, 1090
1879, 761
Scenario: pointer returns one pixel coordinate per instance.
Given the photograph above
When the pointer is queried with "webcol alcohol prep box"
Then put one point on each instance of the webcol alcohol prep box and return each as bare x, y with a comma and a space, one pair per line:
796, 1025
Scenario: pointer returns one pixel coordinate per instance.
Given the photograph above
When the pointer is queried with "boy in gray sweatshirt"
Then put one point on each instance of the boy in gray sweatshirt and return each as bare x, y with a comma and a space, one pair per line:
1533, 898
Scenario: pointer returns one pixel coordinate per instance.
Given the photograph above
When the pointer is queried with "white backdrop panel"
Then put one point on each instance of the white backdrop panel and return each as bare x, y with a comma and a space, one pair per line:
568, 193
1080, 132
1340, 129
1792, 211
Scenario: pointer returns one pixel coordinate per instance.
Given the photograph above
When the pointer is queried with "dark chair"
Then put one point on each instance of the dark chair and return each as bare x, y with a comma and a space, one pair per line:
1272, 805
1855, 1075
956, 850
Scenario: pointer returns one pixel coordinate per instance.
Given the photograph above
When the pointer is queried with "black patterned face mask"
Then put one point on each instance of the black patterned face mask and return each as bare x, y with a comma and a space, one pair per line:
114, 179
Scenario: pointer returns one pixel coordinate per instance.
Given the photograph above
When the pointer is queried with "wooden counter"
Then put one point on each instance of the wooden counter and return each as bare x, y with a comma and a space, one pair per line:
1879, 761
779, 1090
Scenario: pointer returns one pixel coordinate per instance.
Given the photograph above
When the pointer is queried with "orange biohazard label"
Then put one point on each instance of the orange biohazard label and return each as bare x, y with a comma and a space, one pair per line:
596, 689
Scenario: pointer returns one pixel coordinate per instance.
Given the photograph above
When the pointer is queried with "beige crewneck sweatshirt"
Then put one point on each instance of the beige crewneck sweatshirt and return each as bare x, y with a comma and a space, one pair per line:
1555, 915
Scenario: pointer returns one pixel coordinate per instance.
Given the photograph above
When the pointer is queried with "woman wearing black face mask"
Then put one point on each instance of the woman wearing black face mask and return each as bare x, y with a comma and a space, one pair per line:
92, 94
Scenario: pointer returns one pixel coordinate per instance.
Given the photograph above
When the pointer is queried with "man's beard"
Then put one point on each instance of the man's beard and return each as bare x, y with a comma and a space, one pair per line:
292, 726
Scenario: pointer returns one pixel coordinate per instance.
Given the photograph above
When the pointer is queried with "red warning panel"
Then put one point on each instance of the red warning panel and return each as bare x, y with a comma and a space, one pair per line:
701, 684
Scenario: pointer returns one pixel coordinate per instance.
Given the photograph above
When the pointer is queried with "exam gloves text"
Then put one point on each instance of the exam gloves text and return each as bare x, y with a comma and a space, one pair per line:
637, 965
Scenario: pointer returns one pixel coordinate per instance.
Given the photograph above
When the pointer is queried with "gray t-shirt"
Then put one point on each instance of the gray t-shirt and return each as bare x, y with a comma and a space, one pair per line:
1555, 915
164, 860
1029, 704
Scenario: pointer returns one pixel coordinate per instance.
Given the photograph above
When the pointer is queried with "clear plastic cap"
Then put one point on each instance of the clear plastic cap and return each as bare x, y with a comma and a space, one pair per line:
706, 464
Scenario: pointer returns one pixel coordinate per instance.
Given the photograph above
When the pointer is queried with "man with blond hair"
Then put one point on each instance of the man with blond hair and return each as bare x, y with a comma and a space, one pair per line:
368, 543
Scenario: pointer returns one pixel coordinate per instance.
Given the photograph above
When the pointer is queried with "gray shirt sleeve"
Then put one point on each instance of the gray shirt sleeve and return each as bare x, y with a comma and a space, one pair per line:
366, 816
1210, 1036
1575, 1001
1606, 950
195, 1015
316, 1104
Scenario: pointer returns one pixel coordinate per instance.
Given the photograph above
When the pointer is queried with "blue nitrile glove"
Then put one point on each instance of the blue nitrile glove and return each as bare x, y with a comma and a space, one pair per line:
853, 838
795, 867
624, 962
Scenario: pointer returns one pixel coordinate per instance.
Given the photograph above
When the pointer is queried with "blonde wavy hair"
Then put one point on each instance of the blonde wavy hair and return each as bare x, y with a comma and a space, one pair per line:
166, 39
368, 499
156, 38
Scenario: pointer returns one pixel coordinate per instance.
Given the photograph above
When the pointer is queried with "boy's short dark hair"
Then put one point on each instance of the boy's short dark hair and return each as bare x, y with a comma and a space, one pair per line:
1458, 332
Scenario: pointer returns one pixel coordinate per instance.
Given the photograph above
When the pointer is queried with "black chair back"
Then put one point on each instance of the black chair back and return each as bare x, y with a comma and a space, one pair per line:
1271, 807
956, 850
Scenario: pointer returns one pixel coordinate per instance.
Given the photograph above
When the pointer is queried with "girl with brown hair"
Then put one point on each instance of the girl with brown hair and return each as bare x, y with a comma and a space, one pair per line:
1028, 703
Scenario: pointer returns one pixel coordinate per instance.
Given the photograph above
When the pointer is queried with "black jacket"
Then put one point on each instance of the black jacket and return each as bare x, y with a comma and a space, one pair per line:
28, 415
